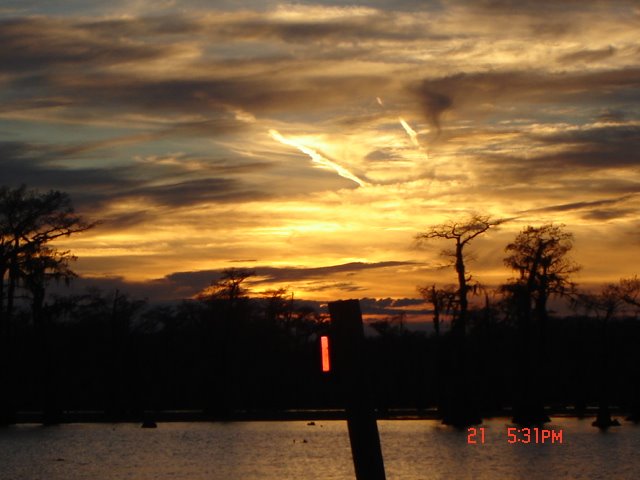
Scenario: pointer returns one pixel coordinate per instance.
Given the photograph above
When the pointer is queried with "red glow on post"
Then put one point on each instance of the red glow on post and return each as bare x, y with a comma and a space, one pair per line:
324, 347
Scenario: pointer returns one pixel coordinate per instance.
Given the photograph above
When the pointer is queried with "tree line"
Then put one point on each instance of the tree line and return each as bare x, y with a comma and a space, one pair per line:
540, 258
226, 351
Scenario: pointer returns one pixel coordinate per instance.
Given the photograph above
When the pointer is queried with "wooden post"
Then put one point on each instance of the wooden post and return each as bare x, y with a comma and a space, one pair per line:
349, 366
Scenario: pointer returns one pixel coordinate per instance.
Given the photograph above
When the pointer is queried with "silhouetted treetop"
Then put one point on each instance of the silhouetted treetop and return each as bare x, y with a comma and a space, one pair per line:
540, 256
613, 299
30, 217
461, 232
630, 290
229, 287
29, 220
443, 300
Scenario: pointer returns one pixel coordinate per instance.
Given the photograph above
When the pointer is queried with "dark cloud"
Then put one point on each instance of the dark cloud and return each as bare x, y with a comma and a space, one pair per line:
390, 307
93, 7
162, 292
13, 105
36, 165
32, 44
159, 25
606, 147
544, 20
576, 149
262, 93
193, 192
605, 135
14, 150
181, 285
477, 90
610, 214
45, 54
603, 210
35, 44
384, 155
392, 5
154, 292
200, 279
126, 220
582, 205
543, 7
375, 26
587, 56
41, 47
433, 105
294, 274
322, 286
612, 116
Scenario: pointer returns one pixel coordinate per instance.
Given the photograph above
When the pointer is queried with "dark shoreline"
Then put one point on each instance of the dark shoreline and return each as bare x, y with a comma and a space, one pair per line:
286, 415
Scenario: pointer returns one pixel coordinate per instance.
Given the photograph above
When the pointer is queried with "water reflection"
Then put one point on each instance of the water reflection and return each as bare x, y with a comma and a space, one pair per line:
413, 450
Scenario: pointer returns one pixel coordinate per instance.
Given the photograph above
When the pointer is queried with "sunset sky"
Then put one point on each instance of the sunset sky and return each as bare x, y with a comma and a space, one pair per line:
311, 141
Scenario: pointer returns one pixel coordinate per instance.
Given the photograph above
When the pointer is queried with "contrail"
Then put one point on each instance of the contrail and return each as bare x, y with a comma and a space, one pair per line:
410, 131
413, 135
317, 158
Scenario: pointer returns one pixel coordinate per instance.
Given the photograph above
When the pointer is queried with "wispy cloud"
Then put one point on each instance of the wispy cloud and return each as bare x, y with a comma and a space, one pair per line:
410, 131
318, 158
188, 129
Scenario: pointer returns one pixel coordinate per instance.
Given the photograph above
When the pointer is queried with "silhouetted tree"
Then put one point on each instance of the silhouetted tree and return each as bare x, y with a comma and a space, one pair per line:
631, 296
228, 317
29, 220
622, 297
278, 308
307, 324
122, 366
41, 267
229, 287
461, 233
107, 348
390, 326
629, 289
540, 257
460, 410
38, 269
605, 306
443, 301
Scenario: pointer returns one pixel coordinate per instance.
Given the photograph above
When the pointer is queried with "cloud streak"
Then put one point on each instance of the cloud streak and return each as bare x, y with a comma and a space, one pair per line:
318, 158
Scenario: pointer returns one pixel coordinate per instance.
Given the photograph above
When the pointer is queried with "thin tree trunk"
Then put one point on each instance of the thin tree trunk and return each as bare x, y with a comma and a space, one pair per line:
11, 288
530, 408
7, 404
462, 293
460, 401
3, 272
604, 419
45, 359
6, 408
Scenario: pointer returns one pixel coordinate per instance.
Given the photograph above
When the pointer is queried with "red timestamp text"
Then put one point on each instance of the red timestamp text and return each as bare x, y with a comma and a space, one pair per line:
476, 435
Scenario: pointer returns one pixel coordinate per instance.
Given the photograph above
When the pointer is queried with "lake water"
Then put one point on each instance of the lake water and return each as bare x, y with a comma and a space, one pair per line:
412, 449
